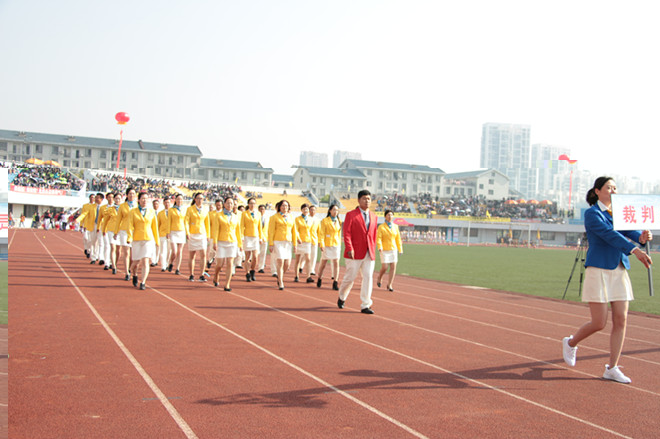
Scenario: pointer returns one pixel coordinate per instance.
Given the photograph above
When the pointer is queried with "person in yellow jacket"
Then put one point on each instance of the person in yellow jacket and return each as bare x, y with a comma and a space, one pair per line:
84, 213
121, 230
263, 241
252, 235
316, 223
281, 239
330, 243
177, 235
388, 242
198, 231
303, 226
106, 256
227, 241
143, 236
110, 224
90, 222
163, 233
213, 223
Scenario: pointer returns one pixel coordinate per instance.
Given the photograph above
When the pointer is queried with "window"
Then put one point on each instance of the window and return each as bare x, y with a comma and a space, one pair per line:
481, 186
3, 146
448, 191
243, 175
88, 164
491, 181
103, 154
66, 163
313, 179
490, 192
133, 156
55, 150
38, 149
88, 152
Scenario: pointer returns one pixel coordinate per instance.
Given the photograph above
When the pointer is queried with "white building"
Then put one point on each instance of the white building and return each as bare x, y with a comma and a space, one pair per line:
488, 183
314, 159
338, 157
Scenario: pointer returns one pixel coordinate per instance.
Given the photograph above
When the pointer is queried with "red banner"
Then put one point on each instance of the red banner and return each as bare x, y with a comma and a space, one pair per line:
36, 190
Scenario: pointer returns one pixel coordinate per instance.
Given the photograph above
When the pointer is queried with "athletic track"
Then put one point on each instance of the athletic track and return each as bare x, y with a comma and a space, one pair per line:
92, 357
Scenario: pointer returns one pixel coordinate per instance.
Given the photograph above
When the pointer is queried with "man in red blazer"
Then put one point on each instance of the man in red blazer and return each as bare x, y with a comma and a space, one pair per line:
359, 251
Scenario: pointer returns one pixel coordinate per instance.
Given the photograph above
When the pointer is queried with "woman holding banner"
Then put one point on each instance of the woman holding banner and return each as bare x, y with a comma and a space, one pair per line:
606, 277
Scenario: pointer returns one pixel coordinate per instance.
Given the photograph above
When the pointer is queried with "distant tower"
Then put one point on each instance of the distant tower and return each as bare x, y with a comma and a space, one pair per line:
506, 147
313, 159
339, 156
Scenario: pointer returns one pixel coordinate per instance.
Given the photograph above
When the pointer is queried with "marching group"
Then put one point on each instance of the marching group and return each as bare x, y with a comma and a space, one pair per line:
134, 231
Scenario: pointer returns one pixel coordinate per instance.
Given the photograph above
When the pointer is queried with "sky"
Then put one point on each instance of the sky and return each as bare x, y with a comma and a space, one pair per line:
408, 81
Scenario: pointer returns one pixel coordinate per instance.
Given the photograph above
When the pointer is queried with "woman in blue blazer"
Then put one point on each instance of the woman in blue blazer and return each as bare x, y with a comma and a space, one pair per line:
606, 277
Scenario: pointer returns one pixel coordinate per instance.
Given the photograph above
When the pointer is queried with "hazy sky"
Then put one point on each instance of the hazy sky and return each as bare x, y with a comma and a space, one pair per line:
404, 81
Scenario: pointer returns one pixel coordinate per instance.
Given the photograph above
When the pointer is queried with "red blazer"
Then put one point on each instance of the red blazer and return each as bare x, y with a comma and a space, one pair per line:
356, 236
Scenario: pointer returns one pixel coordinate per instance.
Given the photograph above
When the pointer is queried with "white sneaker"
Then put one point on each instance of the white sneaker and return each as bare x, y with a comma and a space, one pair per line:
615, 374
569, 352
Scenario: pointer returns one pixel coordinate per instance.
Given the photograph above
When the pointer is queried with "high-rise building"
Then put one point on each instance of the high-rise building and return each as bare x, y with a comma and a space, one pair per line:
506, 147
338, 157
551, 172
313, 159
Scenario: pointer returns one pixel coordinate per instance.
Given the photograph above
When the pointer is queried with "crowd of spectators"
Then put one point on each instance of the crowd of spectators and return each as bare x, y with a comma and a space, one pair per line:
214, 191
397, 203
117, 183
42, 176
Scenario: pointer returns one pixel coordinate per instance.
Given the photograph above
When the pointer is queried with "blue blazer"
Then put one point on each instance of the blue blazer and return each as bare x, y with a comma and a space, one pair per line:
607, 247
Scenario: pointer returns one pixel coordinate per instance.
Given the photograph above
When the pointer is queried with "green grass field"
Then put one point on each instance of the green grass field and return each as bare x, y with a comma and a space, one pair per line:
540, 272
3, 292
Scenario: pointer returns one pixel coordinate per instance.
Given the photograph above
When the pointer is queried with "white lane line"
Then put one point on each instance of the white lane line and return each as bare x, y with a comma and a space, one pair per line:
386, 349
319, 380
183, 425
499, 302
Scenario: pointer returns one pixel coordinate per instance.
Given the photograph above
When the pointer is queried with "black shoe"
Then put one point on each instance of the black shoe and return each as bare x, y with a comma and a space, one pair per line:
310, 280
202, 279
114, 270
215, 284
128, 277
252, 276
367, 311
340, 303
227, 289
135, 281
106, 268
319, 281
378, 284
191, 278
261, 271
169, 267
248, 278
101, 262
92, 263
239, 266
335, 285
296, 279
208, 265
300, 270
390, 289
162, 269
86, 253
177, 272
274, 275
152, 265
281, 288
143, 286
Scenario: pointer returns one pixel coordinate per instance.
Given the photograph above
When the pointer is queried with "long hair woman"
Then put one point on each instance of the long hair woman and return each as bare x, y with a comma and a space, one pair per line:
281, 239
122, 230
606, 277
303, 226
197, 233
177, 235
388, 242
330, 242
143, 236
110, 224
227, 241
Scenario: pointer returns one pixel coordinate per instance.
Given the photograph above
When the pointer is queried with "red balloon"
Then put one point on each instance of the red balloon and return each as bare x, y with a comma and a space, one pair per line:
122, 118
563, 157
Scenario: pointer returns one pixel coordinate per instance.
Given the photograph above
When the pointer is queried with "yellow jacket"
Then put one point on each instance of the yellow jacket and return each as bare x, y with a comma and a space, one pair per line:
163, 223
303, 228
109, 220
197, 222
330, 232
281, 229
142, 227
229, 229
251, 226
124, 210
388, 239
88, 216
176, 220
213, 223
314, 230
263, 226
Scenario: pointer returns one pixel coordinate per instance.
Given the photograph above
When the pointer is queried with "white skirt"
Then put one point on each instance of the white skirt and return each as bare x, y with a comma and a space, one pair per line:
331, 253
388, 256
304, 248
197, 242
143, 249
226, 249
178, 237
250, 243
604, 286
282, 250
112, 238
123, 238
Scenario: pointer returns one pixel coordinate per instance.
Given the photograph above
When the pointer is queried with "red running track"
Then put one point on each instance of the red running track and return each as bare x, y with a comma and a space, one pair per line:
91, 356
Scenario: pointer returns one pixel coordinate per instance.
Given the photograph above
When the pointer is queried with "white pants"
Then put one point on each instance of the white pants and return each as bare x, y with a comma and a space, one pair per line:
107, 257
93, 245
353, 268
87, 242
261, 260
313, 257
163, 251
